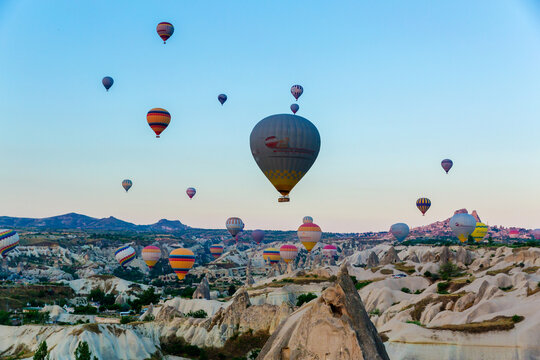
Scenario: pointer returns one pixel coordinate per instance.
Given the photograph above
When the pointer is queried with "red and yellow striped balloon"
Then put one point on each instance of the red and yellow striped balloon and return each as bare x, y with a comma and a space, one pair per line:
151, 255
288, 252
165, 30
309, 235
158, 119
181, 261
216, 250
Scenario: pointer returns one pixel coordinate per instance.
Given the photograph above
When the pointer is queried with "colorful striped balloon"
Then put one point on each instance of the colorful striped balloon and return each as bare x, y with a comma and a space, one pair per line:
423, 204
271, 255
191, 192
127, 184
9, 240
480, 231
234, 225
329, 251
165, 31
124, 255
151, 255
181, 261
216, 250
158, 119
296, 91
288, 252
307, 219
309, 234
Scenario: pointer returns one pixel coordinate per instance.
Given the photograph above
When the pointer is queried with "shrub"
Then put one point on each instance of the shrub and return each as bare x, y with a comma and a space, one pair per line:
375, 312
304, 298
414, 322
41, 353
200, 314
448, 270
85, 310
126, 319
442, 287
517, 318
361, 284
418, 291
406, 290
82, 352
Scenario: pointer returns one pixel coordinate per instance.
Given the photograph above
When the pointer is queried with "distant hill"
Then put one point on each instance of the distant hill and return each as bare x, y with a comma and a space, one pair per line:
74, 221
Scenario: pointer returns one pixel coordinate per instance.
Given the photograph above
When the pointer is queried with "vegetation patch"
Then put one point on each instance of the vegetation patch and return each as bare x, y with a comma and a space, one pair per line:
375, 269
506, 270
387, 271
304, 298
531, 270
499, 323
420, 306
406, 269
414, 322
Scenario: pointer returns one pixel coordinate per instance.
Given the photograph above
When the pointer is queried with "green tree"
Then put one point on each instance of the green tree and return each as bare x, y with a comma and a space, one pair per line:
448, 270
231, 290
304, 298
470, 240
82, 352
4, 318
41, 353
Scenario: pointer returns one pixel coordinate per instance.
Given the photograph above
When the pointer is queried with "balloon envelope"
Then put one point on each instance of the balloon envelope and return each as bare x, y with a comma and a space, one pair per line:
423, 204
400, 231
288, 252
127, 184
285, 147
536, 234
234, 226
107, 82
271, 255
9, 240
181, 261
165, 30
216, 250
294, 108
309, 235
447, 165
158, 119
462, 226
191, 192
296, 91
124, 255
329, 251
307, 219
222, 98
151, 255
479, 232
257, 235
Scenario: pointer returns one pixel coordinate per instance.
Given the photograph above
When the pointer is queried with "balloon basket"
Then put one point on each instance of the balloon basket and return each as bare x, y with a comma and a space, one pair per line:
283, 199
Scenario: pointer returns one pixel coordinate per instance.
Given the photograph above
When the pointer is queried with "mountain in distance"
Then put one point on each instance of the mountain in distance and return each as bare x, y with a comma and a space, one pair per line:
73, 221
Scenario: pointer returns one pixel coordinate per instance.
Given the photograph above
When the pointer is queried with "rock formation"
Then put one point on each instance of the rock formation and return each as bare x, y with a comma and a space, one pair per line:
391, 257
373, 260
475, 215
445, 255
463, 256
338, 317
203, 290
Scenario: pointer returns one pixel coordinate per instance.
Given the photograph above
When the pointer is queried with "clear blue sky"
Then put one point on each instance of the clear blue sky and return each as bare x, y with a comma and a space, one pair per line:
393, 87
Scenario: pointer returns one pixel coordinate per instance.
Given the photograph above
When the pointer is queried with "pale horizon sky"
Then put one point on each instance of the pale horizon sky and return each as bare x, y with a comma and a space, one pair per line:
393, 87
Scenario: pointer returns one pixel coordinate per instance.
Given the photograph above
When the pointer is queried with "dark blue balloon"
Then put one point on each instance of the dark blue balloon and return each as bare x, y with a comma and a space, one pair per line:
222, 98
107, 82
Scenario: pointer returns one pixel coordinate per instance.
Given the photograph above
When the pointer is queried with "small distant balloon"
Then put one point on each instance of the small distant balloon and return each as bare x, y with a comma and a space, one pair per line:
151, 255
447, 165
271, 255
234, 226
309, 235
107, 82
124, 255
297, 91
9, 240
307, 219
222, 98
294, 108
536, 234
330, 251
127, 184
423, 204
400, 231
191, 192
158, 119
257, 235
216, 250
181, 261
288, 253
165, 30
462, 226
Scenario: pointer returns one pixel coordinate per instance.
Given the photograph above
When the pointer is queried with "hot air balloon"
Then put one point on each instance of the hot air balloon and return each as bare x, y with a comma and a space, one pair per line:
479, 232
257, 235
400, 231
151, 255
288, 252
124, 255
462, 226
447, 165
107, 81
423, 204
216, 250
181, 261
158, 119
9, 240
222, 98
307, 219
191, 192
271, 255
330, 251
309, 235
536, 234
294, 108
127, 184
234, 225
296, 91
165, 30
285, 147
